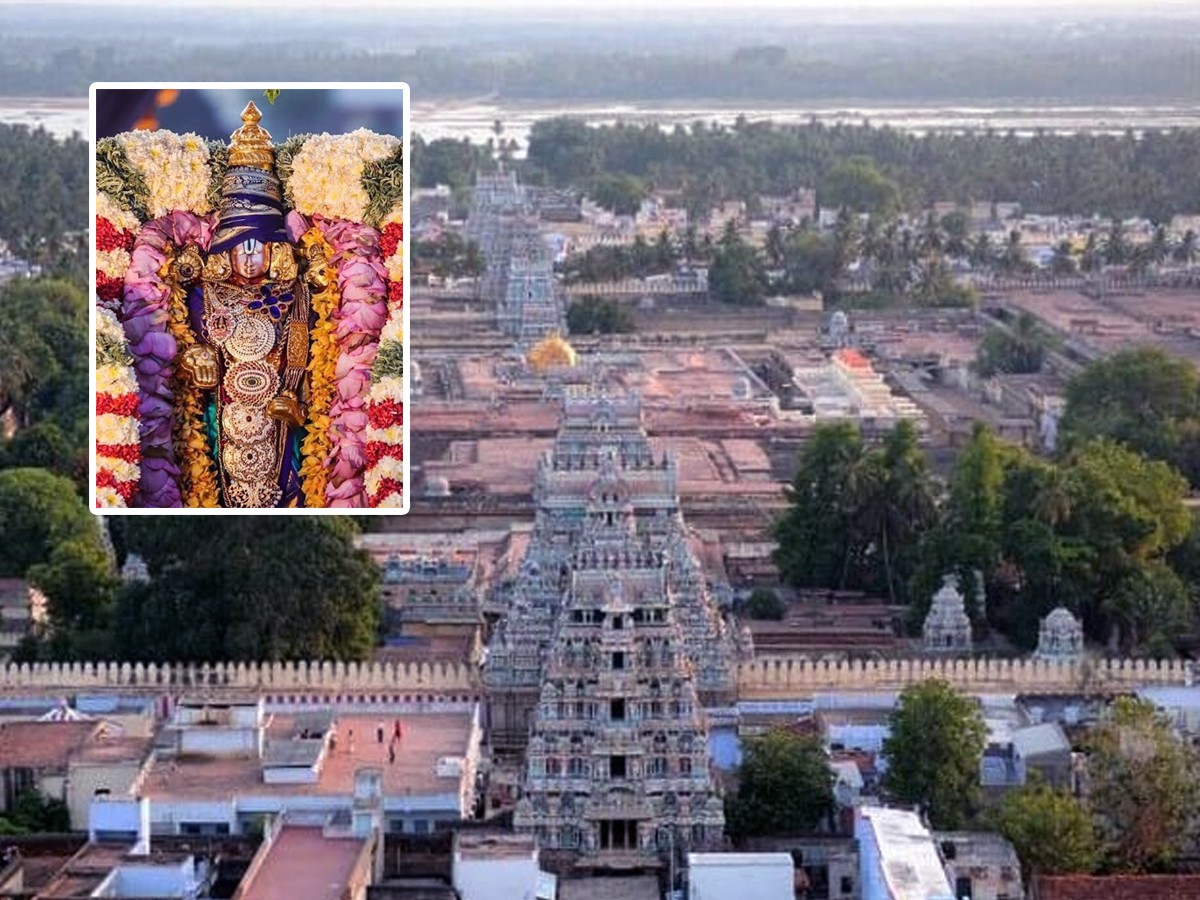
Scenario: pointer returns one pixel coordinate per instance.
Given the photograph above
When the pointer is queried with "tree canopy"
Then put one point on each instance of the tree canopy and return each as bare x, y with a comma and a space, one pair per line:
785, 786
1144, 787
1052, 832
933, 750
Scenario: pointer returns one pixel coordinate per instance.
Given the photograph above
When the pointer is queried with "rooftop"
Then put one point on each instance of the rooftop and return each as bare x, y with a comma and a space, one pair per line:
43, 745
1118, 887
908, 856
303, 864
426, 738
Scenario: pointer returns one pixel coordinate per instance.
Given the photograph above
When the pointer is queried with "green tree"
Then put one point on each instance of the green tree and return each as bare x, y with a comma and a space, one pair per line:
254, 588
933, 750
737, 275
1143, 398
1051, 831
80, 586
621, 194
1144, 787
38, 512
858, 185
1019, 350
598, 315
764, 603
785, 786
35, 813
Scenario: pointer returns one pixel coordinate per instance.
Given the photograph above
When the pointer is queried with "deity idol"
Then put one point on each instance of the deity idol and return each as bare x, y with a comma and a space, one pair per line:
250, 316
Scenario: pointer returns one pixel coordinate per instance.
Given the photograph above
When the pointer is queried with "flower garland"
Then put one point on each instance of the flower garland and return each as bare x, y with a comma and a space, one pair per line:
175, 170
118, 450
115, 229
384, 478
322, 367
359, 319
328, 174
154, 325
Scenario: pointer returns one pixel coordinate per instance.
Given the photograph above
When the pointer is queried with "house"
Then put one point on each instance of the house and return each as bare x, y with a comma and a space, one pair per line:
982, 865
22, 608
1117, 887
898, 858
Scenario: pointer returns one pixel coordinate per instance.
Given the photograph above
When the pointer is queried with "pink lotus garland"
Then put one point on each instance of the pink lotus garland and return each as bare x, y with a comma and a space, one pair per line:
360, 317
145, 314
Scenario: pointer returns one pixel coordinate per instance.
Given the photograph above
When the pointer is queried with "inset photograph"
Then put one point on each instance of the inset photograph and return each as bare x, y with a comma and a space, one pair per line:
249, 324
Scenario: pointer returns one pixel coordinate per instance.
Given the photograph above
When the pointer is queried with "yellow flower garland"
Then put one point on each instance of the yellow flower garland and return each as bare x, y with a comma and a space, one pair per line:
197, 472
322, 368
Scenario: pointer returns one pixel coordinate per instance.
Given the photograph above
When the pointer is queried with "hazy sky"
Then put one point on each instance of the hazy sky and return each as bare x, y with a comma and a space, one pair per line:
650, 6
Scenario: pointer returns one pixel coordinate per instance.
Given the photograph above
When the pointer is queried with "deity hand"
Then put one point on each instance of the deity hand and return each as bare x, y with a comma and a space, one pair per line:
318, 269
199, 364
287, 408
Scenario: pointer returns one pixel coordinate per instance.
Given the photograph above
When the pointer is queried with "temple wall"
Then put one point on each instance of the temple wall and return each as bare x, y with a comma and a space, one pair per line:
437, 677
767, 677
780, 677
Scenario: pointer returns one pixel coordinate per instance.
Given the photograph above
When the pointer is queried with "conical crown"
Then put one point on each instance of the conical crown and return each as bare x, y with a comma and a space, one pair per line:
250, 145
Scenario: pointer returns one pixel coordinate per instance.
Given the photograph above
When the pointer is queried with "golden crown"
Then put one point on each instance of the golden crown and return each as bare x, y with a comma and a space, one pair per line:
250, 145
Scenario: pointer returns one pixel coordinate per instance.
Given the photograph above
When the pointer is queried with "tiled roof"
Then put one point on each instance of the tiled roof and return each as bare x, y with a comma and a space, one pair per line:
42, 745
1118, 887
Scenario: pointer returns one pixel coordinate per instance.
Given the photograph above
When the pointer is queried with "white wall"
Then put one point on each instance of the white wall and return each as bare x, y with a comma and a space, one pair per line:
744, 876
496, 879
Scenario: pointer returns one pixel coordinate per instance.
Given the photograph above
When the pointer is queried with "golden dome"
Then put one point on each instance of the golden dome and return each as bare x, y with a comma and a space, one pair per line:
551, 352
250, 145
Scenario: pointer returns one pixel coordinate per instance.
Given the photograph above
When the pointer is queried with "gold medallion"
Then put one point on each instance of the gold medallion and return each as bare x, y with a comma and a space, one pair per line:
253, 338
249, 462
245, 423
253, 382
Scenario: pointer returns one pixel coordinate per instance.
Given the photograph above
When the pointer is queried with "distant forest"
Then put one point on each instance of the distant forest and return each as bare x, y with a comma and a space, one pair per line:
913, 66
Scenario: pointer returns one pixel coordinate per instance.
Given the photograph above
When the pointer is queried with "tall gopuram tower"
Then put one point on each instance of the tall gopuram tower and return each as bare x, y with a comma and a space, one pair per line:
609, 649
518, 277
617, 765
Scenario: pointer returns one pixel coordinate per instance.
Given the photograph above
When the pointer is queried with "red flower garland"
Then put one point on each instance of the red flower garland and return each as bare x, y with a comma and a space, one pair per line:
387, 486
390, 238
108, 288
385, 414
377, 450
106, 479
110, 237
125, 405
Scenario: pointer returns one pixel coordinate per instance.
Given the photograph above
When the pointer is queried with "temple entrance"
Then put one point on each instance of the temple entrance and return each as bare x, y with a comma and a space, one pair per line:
618, 834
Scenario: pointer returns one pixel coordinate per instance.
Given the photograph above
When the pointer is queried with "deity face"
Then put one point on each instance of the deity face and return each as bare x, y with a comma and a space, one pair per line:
250, 259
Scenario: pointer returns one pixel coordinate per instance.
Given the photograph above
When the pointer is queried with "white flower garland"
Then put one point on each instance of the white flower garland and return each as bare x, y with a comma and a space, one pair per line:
175, 167
327, 172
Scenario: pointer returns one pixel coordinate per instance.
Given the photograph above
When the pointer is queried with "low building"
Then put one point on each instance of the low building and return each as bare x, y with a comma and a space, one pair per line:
898, 858
497, 865
305, 862
747, 876
226, 776
1046, 750
982, 865
37, 756
22, 608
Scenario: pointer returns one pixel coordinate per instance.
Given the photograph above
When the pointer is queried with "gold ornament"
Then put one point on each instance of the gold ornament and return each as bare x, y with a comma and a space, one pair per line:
249, 462
252, 338
287, 408
253, 382
187, 266
283, 267
217, 268
252, 494
245, 423
198, 364
250, 145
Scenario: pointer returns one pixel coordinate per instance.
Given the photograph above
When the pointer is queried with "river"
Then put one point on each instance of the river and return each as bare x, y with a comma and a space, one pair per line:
475, 119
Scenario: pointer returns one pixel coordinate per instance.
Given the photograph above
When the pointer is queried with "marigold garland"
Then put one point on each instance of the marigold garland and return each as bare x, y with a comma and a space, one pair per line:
197, 471
322, 368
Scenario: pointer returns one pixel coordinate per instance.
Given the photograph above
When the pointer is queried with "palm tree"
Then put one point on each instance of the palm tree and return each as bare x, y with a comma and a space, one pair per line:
981, 254
1091, 259
1116, 246
1185, 250
1159, 246
903, 500
1052, 503
1013, 260
1063, 262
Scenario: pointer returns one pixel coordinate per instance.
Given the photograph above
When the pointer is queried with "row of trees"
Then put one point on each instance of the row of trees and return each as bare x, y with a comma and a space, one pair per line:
880, 170
1139, 815
599, 315
1102, 530
450, 256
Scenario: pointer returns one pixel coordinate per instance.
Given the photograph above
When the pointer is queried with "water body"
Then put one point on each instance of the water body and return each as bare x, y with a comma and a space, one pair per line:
475, 120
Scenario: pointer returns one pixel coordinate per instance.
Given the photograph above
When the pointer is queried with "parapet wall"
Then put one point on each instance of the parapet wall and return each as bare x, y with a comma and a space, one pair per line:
780, 677
438, 677
765, 678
